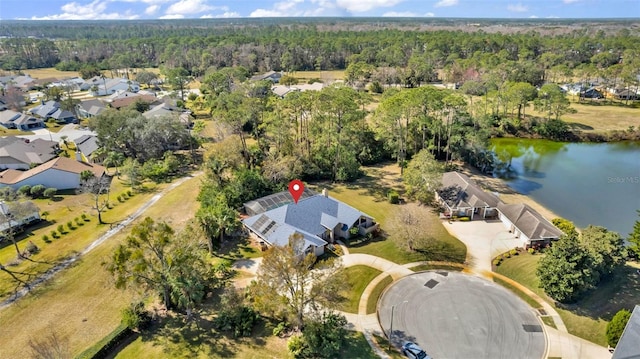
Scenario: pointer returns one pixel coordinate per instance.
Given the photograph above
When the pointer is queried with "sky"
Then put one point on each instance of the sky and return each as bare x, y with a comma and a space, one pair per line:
189, 9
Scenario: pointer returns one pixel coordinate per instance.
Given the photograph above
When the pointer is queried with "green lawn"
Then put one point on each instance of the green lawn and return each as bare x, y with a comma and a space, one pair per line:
587, 318
372, 302
358, 277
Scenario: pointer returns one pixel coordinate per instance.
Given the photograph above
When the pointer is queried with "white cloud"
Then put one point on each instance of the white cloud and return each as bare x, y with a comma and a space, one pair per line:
570, 1
173, 16
152, 9
92, 11
366, 5
533, 17
552, 17
517, 8
184, 7
289, 9
224, 15
445, 3
406, 14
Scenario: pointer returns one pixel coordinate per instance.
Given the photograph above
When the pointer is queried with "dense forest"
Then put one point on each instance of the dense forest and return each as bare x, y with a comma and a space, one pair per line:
540, 47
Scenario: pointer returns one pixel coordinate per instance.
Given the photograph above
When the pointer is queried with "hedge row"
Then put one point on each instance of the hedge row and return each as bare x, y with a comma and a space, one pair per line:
104, 347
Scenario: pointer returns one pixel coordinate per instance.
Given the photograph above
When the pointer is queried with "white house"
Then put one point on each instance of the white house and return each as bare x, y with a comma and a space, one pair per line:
28, 213
59, 173
462, 197
111, 86
527, 224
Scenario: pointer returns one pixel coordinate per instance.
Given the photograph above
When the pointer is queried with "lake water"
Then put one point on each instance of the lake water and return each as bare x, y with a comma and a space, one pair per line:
587, 183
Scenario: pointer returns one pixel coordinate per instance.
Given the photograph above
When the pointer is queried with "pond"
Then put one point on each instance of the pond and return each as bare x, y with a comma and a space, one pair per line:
587, 183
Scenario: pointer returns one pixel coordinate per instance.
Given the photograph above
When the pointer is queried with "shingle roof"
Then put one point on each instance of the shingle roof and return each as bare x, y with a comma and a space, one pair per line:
61, 163
531, 223
92, 106
310, 217
629, 344
87, 144
36, 151
459, 191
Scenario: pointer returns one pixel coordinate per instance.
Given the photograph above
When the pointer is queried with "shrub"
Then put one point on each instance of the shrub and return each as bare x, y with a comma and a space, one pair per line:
37, 191
280, 329
531, 251
54, 234
50, 192
506, 255
84, 217
120, 199
513, 252
353, 231
129, 193
70, 226
135, 316
616, 326
497, 261
61, 229
45, 238
79, 222
296, 345
25, 190
31, 248
464, 219
393, 197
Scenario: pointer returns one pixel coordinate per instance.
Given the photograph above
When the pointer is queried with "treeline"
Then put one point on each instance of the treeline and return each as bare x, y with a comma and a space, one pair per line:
307, 46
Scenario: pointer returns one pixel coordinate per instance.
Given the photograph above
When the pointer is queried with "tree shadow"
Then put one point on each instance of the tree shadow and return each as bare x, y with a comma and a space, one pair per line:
400, 337
579, 126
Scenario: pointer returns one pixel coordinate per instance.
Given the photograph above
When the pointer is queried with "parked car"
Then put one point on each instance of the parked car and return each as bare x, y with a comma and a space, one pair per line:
413, 351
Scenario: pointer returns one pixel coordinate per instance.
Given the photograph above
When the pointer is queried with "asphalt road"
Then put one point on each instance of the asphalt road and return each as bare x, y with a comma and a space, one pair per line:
454, 315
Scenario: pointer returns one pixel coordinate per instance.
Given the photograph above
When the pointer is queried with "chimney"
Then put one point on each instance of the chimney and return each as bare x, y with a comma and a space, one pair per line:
325, 192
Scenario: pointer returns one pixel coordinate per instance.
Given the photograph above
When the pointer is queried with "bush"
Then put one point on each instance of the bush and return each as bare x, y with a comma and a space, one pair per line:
464, 219
120, 199
135, 316
46, 239
61, 229
37, 191
616, 326
280, 329
497, 261
531, 251
84, 217
129, 193
513, 252
54, 234
25, 190
506, 255
50, 192
31, 248
296, 345
79, 222
70, 226
234, 315
105, 346
393, 197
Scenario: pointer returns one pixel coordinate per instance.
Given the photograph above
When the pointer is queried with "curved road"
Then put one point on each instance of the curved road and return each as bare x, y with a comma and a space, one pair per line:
110, 233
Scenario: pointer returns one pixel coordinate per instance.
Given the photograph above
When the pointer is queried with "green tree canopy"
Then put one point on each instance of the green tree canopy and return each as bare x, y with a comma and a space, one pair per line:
616, 326
423, 176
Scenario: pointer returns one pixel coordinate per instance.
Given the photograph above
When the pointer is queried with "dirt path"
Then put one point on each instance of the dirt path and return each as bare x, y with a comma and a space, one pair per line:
110, 233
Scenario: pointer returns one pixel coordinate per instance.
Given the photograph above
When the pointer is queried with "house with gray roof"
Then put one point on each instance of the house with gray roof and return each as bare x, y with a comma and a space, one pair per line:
527, 224
462, 197
629, 344
52, 110
17, 153
105, 86
166, 110
90, 108
319, 219
20, 121
270, 75
86, 146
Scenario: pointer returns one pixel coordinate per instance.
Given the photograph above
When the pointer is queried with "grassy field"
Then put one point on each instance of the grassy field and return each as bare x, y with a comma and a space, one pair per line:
587, 318
81, 303
358, 277
324, 76
598, 118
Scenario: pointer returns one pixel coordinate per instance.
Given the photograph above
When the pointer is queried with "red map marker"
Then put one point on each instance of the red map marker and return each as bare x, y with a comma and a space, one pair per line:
296, 187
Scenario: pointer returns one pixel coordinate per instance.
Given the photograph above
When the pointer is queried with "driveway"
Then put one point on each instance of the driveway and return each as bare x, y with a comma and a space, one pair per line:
484, 241
454, 315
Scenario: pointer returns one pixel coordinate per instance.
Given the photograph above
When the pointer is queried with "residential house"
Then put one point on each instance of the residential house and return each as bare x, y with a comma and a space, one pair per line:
90, 108
20, 154
110, 86
24, 83
628, 346
20, 121
122, 98
626, 94
271, 76
319, 219
527, 224
592, 93
59, 173
164, 109
87, 148
282, 90
462, 197
27, 214
52, 110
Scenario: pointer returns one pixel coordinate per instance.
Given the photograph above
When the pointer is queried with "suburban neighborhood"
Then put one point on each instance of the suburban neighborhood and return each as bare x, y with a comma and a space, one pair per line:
346, 181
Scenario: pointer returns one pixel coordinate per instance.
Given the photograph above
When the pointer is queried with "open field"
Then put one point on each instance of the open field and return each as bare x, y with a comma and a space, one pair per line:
324, 76
50, 72
598, 118
587, 318
81, 303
